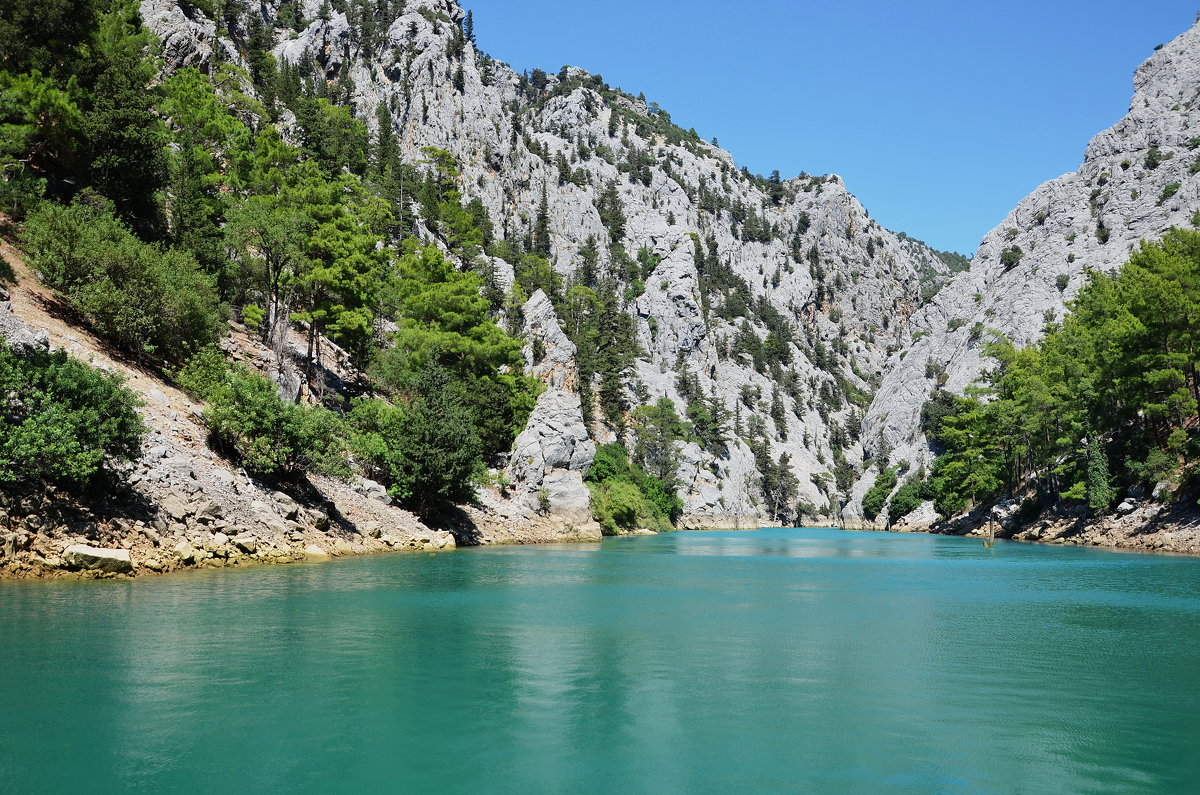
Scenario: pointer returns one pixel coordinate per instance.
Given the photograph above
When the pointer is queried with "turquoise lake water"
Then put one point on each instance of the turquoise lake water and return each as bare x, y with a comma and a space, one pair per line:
773, 660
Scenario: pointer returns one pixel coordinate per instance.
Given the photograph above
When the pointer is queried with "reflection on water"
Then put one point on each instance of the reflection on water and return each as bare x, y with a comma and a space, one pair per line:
775, 659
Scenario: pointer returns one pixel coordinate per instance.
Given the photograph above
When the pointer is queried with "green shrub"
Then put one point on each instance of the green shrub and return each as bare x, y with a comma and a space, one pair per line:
144, 299
250, 424
906, 500
426, 451
1155, 157
1011, 257
1168, 192
876, 496
624, 497
62, 421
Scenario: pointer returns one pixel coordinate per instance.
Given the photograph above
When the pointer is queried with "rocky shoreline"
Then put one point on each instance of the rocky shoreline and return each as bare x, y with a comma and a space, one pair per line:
1136, 525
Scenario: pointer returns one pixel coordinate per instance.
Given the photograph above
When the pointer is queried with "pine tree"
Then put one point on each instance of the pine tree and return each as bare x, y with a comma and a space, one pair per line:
1100, 492
541, 228
587, 273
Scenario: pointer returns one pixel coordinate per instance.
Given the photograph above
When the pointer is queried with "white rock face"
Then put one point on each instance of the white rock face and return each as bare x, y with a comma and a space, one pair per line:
553, 453
841, 284
739, 260
1136, 181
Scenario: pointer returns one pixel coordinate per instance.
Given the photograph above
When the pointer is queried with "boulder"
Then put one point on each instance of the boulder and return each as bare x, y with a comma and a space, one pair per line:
114, 561
287, 506
373, 491
187, 553
176, 508
209, 510
246, 543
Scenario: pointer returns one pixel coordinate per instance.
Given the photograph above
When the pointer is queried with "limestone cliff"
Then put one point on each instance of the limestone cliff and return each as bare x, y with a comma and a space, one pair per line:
818, 332
800, 258
1138, 179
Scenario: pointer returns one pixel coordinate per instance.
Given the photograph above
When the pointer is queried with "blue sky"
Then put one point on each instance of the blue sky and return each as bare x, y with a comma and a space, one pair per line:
939, 115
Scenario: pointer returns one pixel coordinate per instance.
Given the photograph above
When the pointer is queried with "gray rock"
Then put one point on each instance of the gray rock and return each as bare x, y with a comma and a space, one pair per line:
372, 490
113, 561
246, 543
286, 505
209, 510
175, 508
187, 553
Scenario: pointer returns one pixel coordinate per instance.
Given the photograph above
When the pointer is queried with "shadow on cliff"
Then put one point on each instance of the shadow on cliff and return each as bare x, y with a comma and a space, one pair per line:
101, 513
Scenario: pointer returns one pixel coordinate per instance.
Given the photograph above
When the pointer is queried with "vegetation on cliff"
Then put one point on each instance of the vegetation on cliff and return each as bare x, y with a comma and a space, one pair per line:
158, 209
1106, 401
62, 422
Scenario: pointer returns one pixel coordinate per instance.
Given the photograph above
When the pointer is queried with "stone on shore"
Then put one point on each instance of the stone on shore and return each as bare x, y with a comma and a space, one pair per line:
114, 561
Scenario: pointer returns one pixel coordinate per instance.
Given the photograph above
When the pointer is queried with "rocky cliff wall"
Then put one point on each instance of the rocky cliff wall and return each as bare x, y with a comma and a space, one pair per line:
1138, 179
845, 285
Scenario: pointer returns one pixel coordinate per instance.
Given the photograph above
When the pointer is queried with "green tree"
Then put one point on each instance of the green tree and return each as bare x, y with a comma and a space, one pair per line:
426, 452
125, 156
40, 128
656, 428
62, 422
148, 301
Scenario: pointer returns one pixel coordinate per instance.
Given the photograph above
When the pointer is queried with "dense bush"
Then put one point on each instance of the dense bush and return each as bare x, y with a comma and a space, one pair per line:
624, 497
426, 451
62, 420
249, 423
876, 497
142, 298
907, 499
1011, 257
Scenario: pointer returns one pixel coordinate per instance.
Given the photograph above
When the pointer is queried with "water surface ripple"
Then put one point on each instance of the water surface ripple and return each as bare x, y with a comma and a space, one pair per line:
692, 662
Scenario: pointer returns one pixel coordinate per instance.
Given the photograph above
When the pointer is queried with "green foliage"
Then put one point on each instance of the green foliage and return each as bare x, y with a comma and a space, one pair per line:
145, 299
249, 423
76, 105
425, 449
1011, 257
45, 36
1168, 192
875, 498
62, 421
605, 341
624, 497
1155, 157
213, 153
40, 126
657, 428
124, 152
1106, 400
907, 499
443, 320
332, 137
